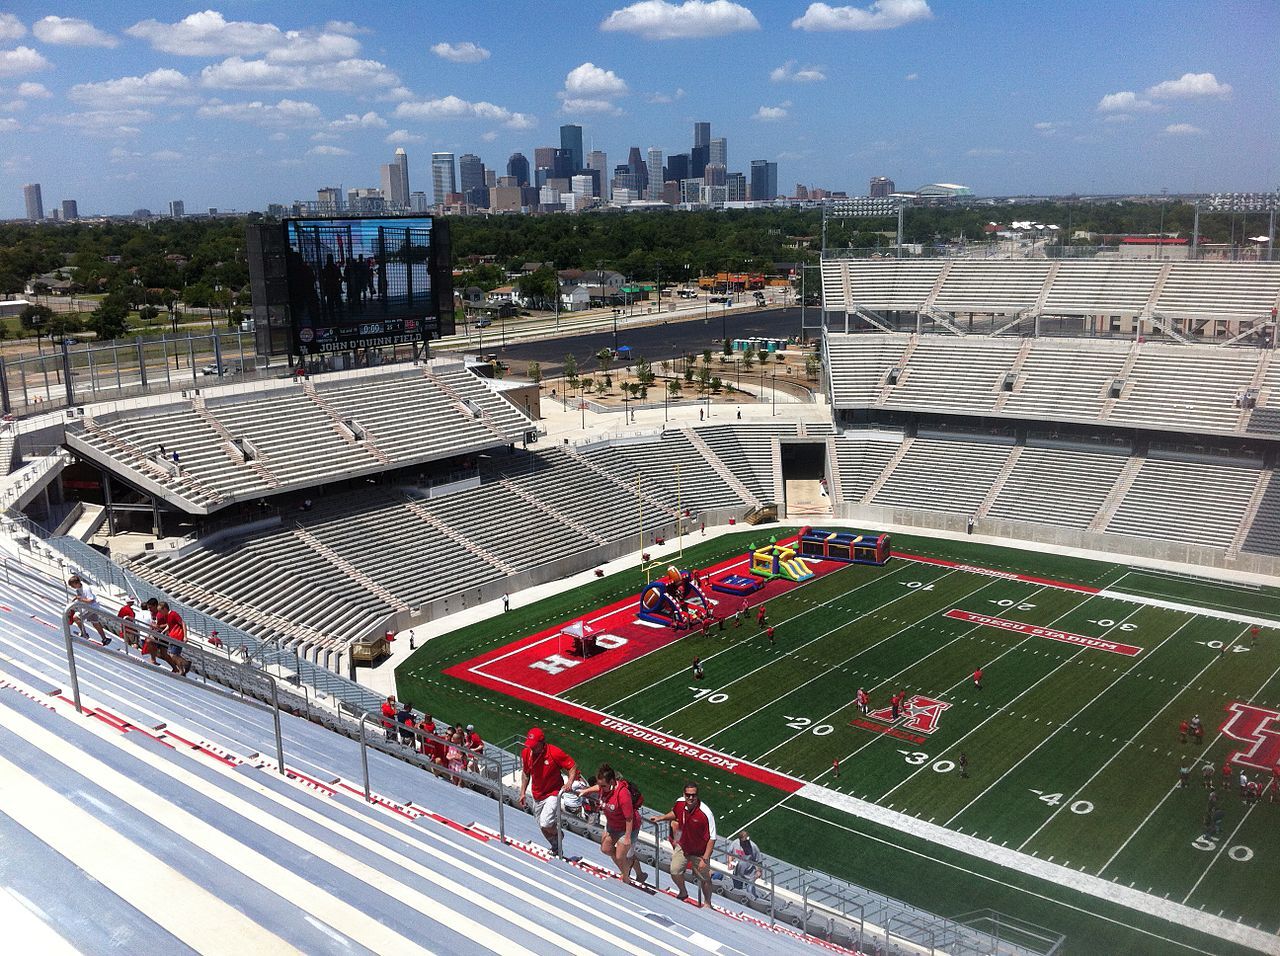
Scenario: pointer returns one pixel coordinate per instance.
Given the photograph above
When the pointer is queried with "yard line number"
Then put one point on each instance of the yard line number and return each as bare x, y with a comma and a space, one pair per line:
1054, 799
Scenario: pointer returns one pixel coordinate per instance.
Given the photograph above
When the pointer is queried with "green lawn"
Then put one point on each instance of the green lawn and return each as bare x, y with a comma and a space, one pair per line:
1073, 753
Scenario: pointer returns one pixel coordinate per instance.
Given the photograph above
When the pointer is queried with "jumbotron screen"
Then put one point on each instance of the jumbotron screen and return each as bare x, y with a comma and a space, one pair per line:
366, 283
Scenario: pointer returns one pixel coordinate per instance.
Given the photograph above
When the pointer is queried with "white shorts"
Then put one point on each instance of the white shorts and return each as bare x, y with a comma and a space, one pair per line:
545, 810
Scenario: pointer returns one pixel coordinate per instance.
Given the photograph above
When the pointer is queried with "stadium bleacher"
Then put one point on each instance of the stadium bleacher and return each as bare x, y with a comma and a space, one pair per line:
1058, 486
252, 855
951, 475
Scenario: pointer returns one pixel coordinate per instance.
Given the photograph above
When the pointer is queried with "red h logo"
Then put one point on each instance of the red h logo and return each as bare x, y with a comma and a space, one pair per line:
1260, 728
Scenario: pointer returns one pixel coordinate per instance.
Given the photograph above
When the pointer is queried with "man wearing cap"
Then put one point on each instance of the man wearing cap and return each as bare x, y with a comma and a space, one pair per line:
693, 837
475, 748
129, 623
541, 765
87, 608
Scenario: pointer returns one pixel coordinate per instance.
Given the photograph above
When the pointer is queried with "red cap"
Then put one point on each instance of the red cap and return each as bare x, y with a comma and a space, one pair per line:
536, 736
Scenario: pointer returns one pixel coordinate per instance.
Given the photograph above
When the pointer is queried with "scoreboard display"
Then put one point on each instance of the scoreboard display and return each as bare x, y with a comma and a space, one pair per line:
355, 283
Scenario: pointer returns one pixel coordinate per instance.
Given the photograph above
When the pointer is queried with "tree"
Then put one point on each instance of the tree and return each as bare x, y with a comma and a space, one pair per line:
728, 347
811, 367
110, 319
748, 358
716, 385
706, 356
604, 360
148, 314
36, 318
539, 288
535, 372
571, 370
673, 388
61, 325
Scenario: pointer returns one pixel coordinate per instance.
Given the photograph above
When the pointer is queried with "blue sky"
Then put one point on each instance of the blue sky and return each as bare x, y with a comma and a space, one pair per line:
121, 105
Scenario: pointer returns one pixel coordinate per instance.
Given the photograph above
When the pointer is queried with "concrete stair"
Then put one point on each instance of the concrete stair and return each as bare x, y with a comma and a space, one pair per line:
723, 470
1123, 483
347, 568
891, 464
458, 537
1246, 523
996, 486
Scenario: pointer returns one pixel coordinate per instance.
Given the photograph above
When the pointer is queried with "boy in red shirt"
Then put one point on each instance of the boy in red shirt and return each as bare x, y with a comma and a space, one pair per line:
540, 771
693, 837
621, 821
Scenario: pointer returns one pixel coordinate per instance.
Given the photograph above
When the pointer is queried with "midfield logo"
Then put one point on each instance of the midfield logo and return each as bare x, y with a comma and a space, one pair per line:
922, 714
1258, 726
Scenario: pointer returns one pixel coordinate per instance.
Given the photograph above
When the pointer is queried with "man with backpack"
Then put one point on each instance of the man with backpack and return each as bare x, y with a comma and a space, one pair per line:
620, 802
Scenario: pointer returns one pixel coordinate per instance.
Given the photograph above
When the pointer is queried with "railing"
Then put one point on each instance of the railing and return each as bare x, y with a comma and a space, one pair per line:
812, 901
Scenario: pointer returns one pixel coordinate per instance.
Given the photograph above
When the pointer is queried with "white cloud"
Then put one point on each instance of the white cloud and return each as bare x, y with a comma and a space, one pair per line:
453, 107
328, 151
591, 80
284, 113
1182, 129
210, 34
11, 28
661, 20
1117, 118
21, 59
787, 73
881, 15
279, 137
912, 76
1189, 85
404, 136
1124, 101
157, 87
166, 156
345, 26
665, 97
70, 31
572, 104
238, 73
460, 52
122, 122
354, 121
1050, 127
9, 125
33, 91
769, 114
489, 137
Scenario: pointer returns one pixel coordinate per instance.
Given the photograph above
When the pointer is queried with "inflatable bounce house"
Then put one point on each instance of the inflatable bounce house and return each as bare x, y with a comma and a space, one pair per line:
779, 561
674, 600
851, 546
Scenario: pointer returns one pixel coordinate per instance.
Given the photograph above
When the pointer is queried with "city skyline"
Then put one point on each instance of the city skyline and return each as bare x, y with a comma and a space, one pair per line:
245, 105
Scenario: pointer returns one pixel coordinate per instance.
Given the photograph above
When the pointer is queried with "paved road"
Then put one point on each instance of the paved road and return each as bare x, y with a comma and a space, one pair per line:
656, 342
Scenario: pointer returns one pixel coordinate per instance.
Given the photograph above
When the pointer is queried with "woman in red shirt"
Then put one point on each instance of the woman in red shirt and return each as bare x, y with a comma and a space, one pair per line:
621, 822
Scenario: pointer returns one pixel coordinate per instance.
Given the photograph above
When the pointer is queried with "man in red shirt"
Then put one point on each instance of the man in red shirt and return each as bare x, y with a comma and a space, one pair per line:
475, 747
389, 716
693, 837
540, 771
977, 677
176, 634
621, 821
129, 623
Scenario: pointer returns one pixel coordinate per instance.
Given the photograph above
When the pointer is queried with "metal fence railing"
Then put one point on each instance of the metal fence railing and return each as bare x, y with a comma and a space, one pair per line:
811, 901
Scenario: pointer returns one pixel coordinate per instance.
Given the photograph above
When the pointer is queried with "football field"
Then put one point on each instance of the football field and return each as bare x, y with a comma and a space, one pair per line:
1071, 743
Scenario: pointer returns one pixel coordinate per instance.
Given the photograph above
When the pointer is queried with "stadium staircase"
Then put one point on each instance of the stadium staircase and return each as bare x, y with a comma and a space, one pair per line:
467, 408
835, 485
1125, 375
347, 568
230, 448
165, 782
1128, 475
998, 485
658, 504
1016, 371
161, 473
886, 390
457, 536
723, 470
547, 508
342, 426
1258, 386
891, 464
1250, 514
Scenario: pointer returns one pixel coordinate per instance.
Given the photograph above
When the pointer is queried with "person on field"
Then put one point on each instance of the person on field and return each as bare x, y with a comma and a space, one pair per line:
542, 769
620, 803
693, 837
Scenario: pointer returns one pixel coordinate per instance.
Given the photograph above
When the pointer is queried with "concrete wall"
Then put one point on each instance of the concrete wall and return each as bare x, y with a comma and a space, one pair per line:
1106, 547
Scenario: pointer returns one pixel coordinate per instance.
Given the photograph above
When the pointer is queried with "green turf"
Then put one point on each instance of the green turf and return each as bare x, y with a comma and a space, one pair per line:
1073, 753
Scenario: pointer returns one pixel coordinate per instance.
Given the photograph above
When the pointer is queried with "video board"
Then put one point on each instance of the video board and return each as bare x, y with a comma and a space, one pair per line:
367, 283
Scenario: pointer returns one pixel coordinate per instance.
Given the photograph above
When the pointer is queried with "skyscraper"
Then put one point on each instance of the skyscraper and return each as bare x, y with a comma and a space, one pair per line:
471, 178
699, 156
653, 189
701, 134
35, 203
719, 152
443, 178
638, 169
395, 180
599, 163
678, 167
715, 174
518, 167
764, 180
563, 165
571, 140
70, 210
177, 209
881, 186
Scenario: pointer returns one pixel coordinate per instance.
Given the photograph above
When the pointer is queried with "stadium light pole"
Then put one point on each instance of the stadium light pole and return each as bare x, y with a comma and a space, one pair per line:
1238, 203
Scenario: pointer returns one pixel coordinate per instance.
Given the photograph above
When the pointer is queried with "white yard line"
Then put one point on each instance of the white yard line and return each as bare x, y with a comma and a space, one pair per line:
1199, 760
890, 680
1067, 723
1121, 749
843, 624
738, 644
1190, 608
1218, 855
824, 673
1176, 913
